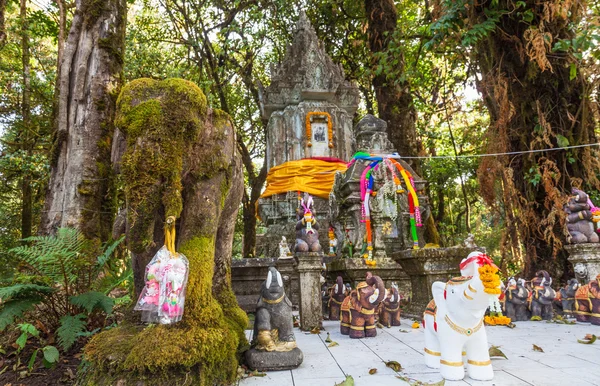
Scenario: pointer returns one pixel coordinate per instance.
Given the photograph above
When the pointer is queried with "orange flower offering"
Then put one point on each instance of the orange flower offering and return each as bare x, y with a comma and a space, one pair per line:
415, 325
499, 320
490, 279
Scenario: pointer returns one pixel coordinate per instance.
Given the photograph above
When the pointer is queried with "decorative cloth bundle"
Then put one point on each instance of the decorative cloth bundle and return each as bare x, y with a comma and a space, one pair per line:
162, 299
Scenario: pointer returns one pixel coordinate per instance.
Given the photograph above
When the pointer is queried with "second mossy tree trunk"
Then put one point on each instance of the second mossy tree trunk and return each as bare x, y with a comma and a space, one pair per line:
79, 192
180, 159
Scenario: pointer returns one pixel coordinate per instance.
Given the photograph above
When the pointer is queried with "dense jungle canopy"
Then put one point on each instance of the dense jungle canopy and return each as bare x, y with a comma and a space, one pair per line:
456, 80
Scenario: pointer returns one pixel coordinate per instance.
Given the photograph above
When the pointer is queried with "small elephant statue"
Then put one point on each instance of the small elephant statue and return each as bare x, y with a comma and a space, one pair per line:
581, 272
273, 324
453, 320
336, 297
542, 296
516, 296
307, 230
579, 219
565, 300
358, 309
389, 308
587, 302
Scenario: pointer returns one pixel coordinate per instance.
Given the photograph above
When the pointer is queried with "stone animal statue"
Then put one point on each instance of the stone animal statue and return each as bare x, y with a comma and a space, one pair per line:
284, 249
581, 272
307, 230
542, 296
453, 320
337, 296
358, 309
587, 302
273, 324
516, 296
565, 300
579, 219
389, 308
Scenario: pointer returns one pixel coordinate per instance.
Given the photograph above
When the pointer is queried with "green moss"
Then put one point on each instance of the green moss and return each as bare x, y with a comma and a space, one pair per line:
202, 346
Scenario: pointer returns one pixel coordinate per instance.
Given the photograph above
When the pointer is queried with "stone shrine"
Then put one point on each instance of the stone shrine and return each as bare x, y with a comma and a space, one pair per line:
309, 106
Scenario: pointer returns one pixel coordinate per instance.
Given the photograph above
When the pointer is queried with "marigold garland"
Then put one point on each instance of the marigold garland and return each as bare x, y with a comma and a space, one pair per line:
498, 320
490, 279
329, 127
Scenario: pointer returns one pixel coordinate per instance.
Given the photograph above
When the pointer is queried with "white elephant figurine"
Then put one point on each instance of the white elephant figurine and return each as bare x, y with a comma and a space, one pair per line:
453, 320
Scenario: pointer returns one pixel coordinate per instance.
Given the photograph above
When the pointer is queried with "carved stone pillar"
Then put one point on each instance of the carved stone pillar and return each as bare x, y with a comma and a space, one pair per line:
585, 259
309, 270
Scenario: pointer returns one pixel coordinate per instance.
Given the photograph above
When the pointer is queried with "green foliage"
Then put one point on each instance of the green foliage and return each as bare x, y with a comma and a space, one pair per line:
71, 327
64, 280
91, 300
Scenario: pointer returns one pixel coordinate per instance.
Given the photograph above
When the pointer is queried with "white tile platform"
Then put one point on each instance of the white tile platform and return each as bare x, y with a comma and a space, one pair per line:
563, 362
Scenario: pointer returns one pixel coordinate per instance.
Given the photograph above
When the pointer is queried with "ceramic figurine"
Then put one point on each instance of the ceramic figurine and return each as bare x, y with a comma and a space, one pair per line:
273, 324
284, 249
332, 242
338, 294
542, 295
565, 300
580, 219
307, 235
453, 321
581, 272
389, 309
516, 296
358, 309
587, 302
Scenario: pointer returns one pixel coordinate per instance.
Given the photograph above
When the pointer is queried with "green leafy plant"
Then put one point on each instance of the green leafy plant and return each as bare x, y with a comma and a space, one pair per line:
64, 285
50, 353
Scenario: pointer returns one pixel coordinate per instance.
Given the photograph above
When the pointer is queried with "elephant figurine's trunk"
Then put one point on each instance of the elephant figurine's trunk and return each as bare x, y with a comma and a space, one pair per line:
376, 280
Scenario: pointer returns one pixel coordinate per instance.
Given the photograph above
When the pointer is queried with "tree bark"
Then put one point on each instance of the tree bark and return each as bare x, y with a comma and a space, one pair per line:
395, 102
2, 23
26, 191
534, 97
79, 192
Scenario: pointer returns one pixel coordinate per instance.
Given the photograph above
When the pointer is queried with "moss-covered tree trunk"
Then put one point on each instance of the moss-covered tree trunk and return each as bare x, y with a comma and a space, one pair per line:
180, 160
79, 192
537, 99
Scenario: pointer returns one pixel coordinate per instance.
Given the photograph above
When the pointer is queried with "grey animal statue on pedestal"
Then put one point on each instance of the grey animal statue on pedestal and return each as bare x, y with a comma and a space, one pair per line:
579, 219
273, 325
516, 296
307, 230
542, 296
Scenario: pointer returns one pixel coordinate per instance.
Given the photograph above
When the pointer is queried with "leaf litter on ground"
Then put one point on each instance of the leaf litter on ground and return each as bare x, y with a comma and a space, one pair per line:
333, 344
349, 381
372, 371
414, 382
496, 352
537, 348
589, 339
394, 365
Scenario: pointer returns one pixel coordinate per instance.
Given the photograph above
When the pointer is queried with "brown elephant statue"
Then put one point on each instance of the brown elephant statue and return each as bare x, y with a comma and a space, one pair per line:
336, 297
307, 230
516, 296
358, 309
389, 308
565, 299
542, 296
587, 302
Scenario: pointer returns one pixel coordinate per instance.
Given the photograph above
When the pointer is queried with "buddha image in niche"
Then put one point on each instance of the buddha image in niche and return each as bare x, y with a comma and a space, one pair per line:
319, 134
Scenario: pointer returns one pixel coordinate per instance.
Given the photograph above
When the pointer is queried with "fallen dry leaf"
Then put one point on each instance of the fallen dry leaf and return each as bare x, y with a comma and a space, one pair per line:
401, 330
589, 339
394, 365
328, 339
372, 371
379, 325
537, 348
333, 344
496, 352
315, 330
349, 381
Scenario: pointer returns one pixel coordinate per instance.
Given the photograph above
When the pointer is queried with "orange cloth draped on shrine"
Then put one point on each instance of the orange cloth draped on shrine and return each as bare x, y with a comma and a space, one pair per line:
312, 175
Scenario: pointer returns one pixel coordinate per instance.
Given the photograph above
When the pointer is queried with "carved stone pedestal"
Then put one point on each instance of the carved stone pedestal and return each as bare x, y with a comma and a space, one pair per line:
585, 259
273, 361
309, 271
354, 271
425, 266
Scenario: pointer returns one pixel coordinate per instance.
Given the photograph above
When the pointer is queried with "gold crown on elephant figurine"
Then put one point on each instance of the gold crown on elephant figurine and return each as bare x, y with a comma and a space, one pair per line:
362, 284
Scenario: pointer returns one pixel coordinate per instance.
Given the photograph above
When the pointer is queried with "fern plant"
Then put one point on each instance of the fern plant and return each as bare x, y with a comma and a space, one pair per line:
64, 283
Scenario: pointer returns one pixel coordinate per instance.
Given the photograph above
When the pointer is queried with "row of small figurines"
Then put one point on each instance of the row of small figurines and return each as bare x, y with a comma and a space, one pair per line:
524, 300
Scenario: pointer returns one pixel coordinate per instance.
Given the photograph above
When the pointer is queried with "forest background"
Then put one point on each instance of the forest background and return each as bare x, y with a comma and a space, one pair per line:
458, 79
